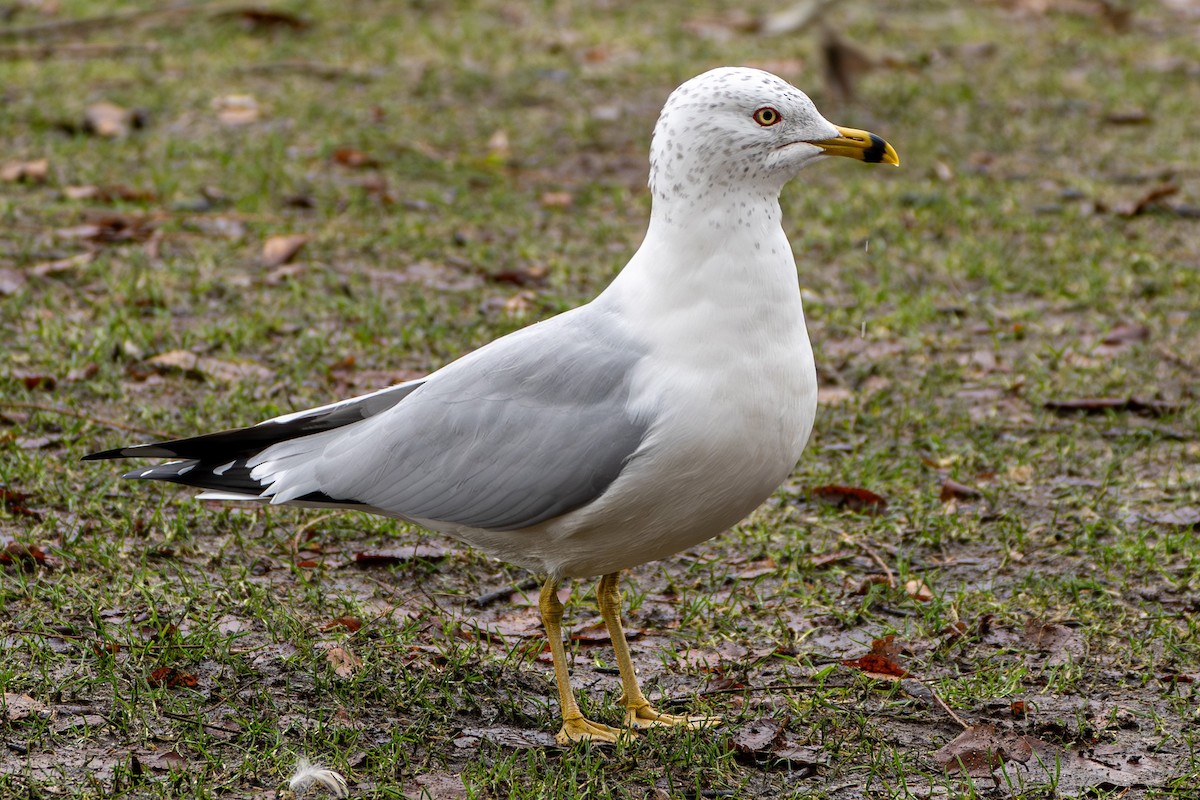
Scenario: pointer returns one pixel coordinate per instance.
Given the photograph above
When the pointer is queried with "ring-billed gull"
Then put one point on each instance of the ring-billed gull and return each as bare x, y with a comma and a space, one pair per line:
620, 432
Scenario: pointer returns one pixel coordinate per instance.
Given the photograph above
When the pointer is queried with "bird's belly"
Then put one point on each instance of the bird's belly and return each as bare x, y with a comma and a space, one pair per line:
710, 462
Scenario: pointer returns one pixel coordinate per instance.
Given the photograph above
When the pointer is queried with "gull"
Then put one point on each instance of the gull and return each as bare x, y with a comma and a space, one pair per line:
620, 432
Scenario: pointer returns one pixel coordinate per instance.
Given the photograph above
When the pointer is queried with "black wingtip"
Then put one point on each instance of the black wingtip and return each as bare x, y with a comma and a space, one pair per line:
136, 451
106, 454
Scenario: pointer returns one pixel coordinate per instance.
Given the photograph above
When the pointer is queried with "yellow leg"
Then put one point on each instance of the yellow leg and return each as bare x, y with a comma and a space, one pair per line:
638, 711
575, 726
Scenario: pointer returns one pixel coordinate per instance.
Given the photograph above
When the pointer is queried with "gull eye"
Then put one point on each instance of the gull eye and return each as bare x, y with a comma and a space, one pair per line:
767, 116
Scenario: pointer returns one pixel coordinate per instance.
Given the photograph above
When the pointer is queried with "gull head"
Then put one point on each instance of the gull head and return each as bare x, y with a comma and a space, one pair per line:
733, 130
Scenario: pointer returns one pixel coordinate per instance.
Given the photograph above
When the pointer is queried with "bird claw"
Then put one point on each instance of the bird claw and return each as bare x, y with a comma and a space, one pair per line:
646, 717
581, 728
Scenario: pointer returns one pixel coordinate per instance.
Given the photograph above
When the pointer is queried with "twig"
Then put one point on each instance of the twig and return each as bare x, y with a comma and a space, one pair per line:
41, 52
324, 71
185, 718
940, 701
308, 526
67, 27
485, 600
1177, 359
101, 421
891, 578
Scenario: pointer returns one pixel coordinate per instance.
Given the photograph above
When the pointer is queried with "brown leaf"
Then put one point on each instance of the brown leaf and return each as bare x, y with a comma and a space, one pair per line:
557, 200
1126, 333
849, 498
11, 281
171, 678
353, 158
236, 110
110, 228
529, 276
169, 760
344, 662
109, 194
746, 570
757, 736
351, 624
1129, 116
61, 265
34, 171
1100, 405
918, 590
1061, 644
399, 555
264, 19
953, 490
281, 249
596, 632
110, 120
980, 749
26, 556
34, 381
15, 707
200, 367
13, 502
794, 18
768, 741
880, 662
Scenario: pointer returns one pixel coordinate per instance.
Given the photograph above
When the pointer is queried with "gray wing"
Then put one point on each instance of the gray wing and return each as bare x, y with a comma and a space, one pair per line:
522, 430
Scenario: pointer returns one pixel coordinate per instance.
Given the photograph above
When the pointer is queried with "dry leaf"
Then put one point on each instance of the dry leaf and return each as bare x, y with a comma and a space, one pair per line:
399, 555
768, 741
1126, 333
171, 678
498, 146
1131, 116
14, 502
62, 265
918, 590
265, 19
849, 498
953, 490
557, 200
344, 662
351, 624
200, 367
1100, 405
528, 276
111, 120
109, 194
236, 109
11, 281
111, 228
34, 171
353, 158
1061, 644
793, 19
980, 749
281, 249
15, 707
26, 556
880, 662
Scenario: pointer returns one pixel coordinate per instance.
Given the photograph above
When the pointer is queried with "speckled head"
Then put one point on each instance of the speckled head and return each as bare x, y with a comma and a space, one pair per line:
736, 128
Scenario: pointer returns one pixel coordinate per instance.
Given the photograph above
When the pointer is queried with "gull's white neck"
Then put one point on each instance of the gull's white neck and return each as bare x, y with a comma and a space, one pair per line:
728, 258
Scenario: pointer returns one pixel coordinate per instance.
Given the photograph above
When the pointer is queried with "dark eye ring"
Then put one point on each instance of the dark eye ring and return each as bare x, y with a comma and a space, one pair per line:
767, 116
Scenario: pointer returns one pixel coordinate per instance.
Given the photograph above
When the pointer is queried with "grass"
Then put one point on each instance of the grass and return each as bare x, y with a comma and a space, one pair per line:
947, 301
